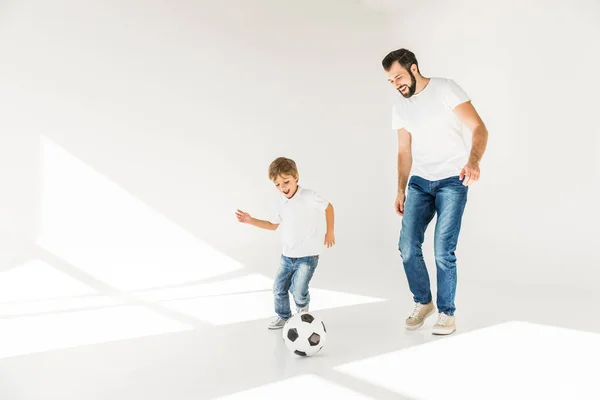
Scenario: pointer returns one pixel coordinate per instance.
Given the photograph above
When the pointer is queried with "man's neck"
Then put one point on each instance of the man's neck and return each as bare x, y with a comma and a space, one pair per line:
421, 84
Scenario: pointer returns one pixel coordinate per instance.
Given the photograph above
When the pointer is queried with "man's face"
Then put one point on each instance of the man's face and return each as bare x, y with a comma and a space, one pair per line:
403, 80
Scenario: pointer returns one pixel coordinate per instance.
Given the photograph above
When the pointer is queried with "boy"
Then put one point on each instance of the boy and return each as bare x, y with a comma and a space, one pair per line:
299, 211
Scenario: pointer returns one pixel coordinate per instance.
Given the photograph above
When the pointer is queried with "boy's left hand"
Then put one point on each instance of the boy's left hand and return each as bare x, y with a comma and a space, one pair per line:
329, 239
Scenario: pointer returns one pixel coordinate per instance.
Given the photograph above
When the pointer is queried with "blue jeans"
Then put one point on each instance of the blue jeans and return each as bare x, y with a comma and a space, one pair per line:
424, 198
293, 275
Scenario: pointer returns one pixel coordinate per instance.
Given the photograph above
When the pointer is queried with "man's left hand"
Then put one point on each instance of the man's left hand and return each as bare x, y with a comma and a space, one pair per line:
470, 173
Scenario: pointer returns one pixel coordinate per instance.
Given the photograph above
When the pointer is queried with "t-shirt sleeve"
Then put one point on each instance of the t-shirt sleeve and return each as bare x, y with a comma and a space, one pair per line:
454, 94
397, 121
276, 214
318, 201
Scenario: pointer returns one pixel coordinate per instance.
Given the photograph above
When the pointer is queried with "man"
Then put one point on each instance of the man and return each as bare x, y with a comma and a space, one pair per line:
429, 118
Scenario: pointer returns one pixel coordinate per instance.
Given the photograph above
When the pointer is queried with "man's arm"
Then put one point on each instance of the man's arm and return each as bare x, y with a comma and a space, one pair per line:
469, 116
404, 167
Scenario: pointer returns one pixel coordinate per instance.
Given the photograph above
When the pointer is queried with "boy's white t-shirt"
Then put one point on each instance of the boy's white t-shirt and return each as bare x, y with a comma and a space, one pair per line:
302, 223
439, 149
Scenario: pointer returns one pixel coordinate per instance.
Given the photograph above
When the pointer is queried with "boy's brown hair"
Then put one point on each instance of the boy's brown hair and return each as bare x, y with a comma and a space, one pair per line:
282, 166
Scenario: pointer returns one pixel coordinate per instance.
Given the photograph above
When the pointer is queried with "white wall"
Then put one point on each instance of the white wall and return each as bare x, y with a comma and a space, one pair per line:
185, 104
530, 68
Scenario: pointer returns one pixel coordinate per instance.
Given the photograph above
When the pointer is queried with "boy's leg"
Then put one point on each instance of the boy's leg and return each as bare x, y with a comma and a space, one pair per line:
281, 287
304, 268
451, 198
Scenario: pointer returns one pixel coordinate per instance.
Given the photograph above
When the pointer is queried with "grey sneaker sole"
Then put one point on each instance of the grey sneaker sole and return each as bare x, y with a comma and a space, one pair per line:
444, 331
275, 327
415, 327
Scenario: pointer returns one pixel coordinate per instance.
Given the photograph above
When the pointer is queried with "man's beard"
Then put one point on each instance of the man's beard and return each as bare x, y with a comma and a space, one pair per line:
412, 87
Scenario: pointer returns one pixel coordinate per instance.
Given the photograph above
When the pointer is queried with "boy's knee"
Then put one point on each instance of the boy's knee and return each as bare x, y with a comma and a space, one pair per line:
279, 290
301, 299
295, 293
299, 293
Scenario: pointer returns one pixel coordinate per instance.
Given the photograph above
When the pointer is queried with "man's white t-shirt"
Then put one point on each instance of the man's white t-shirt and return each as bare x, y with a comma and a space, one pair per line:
302, 223
439, 149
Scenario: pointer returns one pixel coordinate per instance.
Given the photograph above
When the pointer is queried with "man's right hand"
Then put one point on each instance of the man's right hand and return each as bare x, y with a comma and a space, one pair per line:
399, 204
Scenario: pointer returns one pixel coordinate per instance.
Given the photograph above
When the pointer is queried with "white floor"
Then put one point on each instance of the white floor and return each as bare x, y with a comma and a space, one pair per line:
66, 335
116, 301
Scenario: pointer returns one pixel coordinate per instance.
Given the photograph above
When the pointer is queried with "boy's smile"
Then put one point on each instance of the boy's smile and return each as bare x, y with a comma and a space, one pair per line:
286, 184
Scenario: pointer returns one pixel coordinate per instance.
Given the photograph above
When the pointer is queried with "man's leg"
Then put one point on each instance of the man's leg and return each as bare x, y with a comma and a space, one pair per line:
281, 287
450, 201
304, 270
419, 209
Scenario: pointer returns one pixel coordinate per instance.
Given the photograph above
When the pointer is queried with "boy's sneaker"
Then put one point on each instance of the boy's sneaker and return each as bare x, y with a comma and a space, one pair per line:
445, 325
418, 316
302, 309
276, 323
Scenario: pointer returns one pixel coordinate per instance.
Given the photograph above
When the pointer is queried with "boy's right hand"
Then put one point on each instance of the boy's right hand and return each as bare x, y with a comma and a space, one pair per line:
243, 217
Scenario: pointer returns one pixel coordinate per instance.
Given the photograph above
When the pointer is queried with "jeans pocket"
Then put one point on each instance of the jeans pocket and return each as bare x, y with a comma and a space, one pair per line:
314, 261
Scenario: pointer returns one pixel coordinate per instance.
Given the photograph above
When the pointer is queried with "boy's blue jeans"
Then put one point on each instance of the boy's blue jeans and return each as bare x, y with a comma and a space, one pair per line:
424, 198
293, 275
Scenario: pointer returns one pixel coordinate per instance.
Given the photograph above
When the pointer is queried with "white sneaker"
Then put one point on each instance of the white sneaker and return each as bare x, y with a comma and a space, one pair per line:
301, 310
276, 323
445, 325
419, 315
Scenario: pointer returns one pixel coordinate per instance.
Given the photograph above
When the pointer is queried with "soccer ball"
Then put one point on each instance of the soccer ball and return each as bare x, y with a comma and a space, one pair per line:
304, 334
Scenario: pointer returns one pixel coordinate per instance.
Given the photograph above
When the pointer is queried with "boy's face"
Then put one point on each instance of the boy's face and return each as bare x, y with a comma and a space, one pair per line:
286, 184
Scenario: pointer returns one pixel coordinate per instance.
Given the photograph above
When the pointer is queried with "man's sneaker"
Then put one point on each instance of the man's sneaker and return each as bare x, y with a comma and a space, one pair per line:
445, 325
302, 309
276, 323
418, 316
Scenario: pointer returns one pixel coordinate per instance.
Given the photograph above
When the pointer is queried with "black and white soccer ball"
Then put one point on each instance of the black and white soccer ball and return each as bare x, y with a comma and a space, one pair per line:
304, 334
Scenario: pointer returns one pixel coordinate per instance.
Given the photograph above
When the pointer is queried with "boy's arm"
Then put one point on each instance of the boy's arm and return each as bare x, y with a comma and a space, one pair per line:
246, 218
329, 217
329, 236
259, 223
